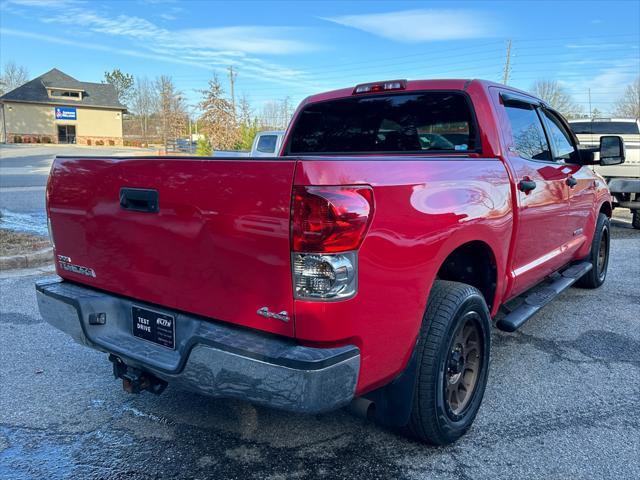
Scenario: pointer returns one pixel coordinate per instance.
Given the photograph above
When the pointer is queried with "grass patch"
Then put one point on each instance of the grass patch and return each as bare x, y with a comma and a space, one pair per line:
16, 243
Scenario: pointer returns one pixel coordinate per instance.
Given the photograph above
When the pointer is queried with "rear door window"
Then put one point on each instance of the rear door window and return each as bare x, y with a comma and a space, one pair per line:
529, 139
396, 123
267, 143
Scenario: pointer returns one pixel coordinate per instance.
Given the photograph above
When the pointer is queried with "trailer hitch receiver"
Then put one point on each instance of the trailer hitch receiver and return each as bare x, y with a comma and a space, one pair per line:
135, 380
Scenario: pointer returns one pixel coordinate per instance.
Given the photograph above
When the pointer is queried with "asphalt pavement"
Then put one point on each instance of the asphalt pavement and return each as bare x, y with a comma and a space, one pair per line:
23, 177
563, 401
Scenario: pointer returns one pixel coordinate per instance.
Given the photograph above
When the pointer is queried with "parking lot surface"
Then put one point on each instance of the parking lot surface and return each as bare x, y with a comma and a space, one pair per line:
563, 401
24, 170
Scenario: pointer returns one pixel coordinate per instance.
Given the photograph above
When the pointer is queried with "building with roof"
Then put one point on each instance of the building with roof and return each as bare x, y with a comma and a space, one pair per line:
57, 108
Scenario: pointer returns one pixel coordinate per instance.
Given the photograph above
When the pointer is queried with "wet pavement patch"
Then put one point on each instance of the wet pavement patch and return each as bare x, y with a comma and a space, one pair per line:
115, 452
34, 222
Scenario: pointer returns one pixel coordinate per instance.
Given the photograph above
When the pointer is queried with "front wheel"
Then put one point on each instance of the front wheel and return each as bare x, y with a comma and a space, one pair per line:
635, 219
599, 255
453, 363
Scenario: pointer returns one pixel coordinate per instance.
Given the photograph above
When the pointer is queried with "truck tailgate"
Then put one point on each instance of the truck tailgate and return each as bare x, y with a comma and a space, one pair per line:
217, 246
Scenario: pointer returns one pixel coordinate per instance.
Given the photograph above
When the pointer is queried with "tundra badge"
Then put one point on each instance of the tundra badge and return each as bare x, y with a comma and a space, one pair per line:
65, 264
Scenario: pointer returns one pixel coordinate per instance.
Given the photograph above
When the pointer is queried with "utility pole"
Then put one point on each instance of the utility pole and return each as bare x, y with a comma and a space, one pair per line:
590, 114
507, 64
232, 79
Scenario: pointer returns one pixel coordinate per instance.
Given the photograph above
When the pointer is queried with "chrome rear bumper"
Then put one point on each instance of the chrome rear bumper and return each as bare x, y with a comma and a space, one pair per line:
210, 357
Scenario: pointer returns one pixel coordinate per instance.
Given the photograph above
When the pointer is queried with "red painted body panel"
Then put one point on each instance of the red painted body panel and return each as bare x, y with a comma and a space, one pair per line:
424, 209
218, 247
220, 244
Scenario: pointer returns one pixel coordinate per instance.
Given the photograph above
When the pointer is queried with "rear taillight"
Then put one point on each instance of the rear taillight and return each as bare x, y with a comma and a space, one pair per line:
330, 219
328, 226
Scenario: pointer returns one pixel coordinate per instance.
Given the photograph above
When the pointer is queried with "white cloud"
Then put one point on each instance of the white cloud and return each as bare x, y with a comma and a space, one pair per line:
249, 39
245, 39
608, 83
422, 25
100, 47
43, 3
206, 48
599, 46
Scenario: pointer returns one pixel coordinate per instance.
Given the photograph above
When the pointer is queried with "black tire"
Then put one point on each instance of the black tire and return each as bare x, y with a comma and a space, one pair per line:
451, 306
599, 245
635, 219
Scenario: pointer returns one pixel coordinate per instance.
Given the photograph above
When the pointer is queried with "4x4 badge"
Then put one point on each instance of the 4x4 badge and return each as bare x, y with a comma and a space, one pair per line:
264, 312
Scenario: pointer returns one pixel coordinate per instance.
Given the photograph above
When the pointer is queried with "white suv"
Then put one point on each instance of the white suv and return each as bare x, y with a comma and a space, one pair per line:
623, 179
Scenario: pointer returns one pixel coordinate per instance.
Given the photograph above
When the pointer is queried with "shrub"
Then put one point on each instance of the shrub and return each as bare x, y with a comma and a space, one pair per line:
46, 139
100, 143
203, 149
89, 141
17, 139
112, 143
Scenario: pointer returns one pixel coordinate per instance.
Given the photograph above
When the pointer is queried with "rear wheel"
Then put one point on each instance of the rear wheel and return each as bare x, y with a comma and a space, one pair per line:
599, 255
453, 362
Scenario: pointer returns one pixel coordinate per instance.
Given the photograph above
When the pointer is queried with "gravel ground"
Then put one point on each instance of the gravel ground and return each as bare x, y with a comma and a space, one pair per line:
563, 401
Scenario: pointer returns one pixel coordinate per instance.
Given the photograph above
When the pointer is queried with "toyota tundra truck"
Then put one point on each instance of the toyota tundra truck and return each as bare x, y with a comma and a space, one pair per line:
364, 266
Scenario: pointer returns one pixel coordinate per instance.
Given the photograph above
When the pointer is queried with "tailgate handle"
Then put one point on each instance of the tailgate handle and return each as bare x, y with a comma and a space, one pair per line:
139, 200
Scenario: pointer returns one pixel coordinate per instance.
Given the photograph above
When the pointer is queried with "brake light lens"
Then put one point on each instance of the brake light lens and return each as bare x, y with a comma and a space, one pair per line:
330, 219
380, 86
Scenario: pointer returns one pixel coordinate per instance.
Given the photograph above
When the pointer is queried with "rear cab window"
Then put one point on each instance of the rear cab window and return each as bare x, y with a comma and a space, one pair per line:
418, 122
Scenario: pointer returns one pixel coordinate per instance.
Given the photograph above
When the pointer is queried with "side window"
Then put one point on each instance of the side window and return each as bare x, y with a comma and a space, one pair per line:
528, 136
562, 146
267, 143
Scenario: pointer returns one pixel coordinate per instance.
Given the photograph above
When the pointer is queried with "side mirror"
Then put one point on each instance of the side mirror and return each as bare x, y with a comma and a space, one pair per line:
611, 150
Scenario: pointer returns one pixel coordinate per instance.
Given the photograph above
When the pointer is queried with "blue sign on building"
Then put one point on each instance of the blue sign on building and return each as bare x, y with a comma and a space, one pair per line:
66, 113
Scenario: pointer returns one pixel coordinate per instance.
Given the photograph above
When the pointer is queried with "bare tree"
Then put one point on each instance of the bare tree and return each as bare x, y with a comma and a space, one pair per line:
248, 125
12, 76
171, 109
556, 95
218, 119
628, 105
144, 104
270, 115
276, 114
245, 111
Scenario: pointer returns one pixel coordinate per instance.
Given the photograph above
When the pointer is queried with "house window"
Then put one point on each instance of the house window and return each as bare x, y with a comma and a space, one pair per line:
65, 94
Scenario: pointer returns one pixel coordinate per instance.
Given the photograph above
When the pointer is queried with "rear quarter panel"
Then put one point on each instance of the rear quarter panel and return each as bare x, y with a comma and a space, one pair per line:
424, 209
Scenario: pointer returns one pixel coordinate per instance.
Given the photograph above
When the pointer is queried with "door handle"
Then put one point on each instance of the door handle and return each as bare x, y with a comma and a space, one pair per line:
526, 185
572, 182
139, 200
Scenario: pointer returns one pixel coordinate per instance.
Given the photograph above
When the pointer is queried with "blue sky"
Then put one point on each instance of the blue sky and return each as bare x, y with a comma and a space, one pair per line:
298, 48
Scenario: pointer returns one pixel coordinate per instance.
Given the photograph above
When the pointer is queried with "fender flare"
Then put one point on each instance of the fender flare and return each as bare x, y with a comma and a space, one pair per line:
394, 401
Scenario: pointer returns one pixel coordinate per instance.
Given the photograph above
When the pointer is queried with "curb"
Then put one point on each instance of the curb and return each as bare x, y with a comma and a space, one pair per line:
29, 260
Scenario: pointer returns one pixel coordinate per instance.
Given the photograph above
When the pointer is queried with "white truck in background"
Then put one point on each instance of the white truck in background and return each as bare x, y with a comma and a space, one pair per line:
623, 179
266, 144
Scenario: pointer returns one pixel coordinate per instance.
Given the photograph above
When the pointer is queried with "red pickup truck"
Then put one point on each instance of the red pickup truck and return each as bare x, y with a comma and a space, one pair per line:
365, 264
